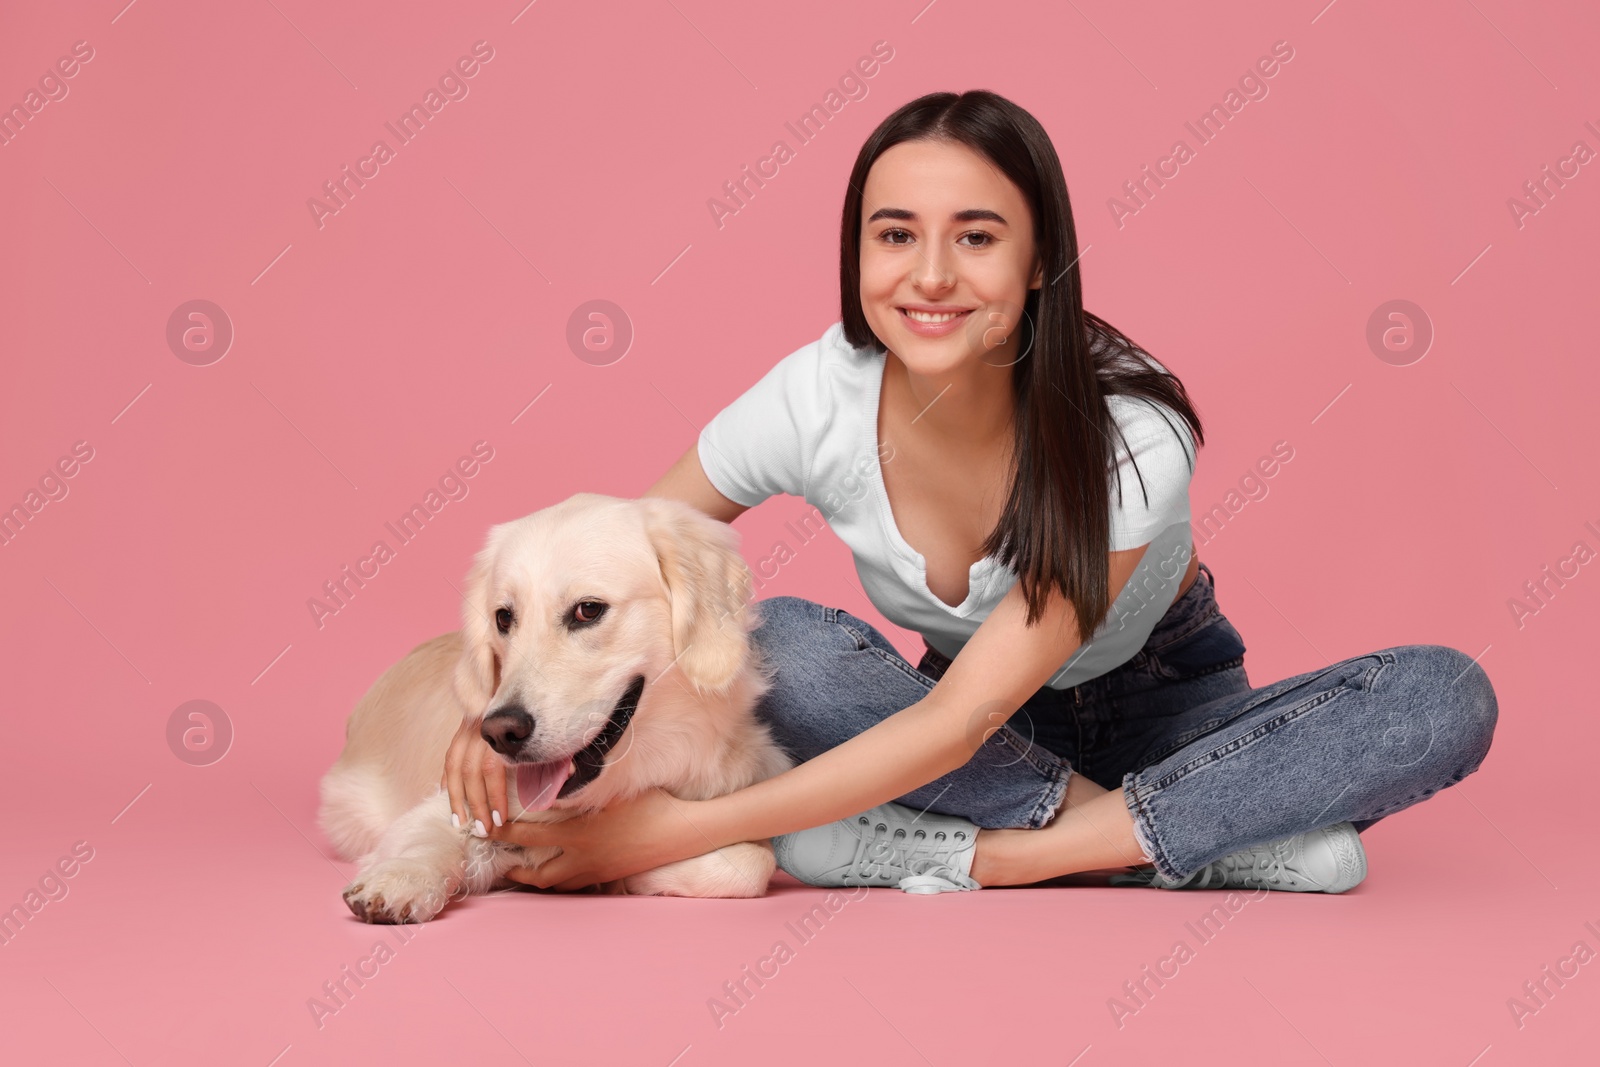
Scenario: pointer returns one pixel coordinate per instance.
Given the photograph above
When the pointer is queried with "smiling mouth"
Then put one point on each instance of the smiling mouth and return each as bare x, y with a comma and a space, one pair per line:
946, 324
953, 312
540, 785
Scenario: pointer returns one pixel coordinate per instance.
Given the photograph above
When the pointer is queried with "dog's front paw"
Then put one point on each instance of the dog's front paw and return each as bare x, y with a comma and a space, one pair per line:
397, 891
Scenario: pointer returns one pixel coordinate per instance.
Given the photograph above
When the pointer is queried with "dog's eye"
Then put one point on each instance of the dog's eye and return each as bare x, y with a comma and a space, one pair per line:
503, 620
588, 611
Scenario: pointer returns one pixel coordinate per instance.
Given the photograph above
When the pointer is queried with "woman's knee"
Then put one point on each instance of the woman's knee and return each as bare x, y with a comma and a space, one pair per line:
796, 645
829, 676
794, 628
1452, 692
782, 620
787, 637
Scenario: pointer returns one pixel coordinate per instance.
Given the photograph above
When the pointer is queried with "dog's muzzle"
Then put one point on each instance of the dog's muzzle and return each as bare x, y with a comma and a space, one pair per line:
540, 785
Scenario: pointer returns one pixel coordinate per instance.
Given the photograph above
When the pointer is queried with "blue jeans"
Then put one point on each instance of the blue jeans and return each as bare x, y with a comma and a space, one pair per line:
1207, 764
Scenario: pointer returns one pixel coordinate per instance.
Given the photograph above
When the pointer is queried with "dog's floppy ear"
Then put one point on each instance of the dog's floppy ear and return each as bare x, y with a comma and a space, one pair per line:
478, 671
709, 588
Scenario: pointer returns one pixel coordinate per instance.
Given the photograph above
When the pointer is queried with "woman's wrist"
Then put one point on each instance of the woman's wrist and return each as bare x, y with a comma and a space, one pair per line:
731, 818
692, 834
707, 825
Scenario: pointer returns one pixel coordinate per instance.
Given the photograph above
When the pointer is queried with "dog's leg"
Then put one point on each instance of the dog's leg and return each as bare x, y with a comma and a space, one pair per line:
741, 870
421, 863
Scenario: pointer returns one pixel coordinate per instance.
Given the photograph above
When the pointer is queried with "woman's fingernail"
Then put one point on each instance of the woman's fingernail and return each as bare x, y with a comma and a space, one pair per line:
496, 815
477, 828
455, 820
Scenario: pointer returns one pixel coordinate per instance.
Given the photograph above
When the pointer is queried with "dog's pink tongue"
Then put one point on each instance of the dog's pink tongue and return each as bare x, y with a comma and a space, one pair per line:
538, 783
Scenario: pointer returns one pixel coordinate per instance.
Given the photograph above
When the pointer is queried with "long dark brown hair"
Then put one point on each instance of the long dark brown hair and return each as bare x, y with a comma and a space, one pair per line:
1055, 530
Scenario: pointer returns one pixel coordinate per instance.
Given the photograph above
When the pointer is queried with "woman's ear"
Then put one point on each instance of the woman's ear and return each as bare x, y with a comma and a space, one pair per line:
477, 676
708, 587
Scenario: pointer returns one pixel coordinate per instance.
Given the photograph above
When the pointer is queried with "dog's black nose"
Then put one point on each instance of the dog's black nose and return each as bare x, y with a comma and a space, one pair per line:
507, 728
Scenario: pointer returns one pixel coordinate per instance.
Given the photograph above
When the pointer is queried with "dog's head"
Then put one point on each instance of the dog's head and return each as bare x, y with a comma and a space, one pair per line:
572, 612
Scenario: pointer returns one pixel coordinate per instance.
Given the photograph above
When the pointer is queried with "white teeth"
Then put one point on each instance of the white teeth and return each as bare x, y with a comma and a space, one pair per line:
923, 316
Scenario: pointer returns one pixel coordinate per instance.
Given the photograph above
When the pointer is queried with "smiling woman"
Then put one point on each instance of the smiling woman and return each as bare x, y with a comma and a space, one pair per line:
1082, 702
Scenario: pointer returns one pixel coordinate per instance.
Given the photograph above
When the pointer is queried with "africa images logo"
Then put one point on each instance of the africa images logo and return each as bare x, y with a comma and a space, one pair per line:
338, 192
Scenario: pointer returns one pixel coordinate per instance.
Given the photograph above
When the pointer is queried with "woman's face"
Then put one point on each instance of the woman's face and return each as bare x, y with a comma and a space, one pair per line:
943, 228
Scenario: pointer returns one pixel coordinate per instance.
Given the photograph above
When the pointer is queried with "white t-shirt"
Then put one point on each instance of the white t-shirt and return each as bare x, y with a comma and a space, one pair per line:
809, 428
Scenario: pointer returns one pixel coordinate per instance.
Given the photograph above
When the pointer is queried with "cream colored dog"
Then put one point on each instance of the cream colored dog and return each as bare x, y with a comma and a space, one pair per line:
605, 651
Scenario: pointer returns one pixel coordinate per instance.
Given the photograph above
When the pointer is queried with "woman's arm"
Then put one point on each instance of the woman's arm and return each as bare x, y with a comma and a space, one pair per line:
686, 480
1002, 665
904, 752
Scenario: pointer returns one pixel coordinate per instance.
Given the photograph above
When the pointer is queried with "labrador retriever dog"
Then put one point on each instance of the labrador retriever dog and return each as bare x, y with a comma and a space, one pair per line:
604, 651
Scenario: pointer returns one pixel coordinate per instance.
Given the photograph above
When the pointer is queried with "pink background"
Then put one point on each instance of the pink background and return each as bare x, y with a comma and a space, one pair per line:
426, 315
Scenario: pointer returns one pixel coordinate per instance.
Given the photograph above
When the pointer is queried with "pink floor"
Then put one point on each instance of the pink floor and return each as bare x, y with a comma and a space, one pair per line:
355, 355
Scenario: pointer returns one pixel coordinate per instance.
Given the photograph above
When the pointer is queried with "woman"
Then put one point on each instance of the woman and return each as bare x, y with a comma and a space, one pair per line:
960, 429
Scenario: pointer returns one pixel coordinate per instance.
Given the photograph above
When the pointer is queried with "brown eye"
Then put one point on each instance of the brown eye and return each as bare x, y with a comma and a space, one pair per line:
588, 611
503, 620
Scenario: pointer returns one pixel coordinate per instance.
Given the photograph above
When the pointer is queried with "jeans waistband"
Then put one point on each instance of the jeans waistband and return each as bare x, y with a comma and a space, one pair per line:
935, 659
939, 662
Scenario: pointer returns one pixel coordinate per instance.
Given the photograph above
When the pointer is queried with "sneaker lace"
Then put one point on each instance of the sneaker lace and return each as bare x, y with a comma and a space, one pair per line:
934, 877
920, 861
1251, 867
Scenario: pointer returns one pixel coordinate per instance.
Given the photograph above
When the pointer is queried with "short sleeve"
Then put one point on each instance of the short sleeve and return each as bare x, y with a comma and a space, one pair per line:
1154, 496
762, 443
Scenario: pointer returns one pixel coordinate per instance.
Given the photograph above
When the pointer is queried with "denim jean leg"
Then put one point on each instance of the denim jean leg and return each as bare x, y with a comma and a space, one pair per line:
1354, 741
835, 676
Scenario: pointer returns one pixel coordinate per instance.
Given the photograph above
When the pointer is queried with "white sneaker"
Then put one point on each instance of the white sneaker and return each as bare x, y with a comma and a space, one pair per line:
1326, 860
920, 852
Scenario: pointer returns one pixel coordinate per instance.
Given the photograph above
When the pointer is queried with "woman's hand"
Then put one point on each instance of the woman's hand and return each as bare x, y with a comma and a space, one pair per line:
638, 834
475, 778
